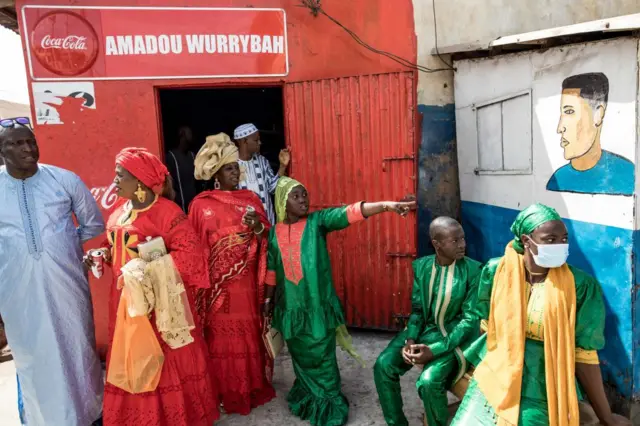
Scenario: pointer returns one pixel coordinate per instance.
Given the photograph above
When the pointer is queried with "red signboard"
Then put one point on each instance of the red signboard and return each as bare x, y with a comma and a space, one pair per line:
120, 43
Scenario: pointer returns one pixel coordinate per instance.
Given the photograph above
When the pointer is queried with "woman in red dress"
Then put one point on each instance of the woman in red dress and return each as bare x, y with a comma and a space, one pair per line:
185, 394
231, 224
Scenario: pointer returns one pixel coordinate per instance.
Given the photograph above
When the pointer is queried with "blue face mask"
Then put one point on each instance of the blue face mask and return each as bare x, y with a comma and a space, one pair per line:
550, 255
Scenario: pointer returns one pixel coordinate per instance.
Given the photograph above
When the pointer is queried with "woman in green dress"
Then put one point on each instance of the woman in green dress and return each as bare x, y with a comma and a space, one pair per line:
306, 308
544, 323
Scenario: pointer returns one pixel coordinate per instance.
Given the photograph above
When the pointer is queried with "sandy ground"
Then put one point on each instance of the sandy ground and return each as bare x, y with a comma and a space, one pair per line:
357, 384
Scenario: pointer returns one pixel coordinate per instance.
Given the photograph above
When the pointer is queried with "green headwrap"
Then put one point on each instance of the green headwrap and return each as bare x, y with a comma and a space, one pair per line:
528, 220
283, 189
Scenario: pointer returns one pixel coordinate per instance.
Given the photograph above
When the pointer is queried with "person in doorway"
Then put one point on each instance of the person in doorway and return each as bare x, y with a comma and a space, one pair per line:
258, 174
45, 302
185, 395
180, 164
233, 227
544, 323
307, 310
442, 324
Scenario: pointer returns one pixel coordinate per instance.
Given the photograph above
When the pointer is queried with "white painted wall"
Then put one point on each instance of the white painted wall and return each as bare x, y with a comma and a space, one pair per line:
433, 88
468, 21
464, 21
479, 81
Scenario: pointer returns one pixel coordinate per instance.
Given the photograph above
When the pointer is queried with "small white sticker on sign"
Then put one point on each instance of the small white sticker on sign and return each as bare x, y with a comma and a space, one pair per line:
49, 97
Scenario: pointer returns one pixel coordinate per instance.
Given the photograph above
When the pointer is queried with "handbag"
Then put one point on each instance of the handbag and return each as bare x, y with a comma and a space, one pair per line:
136, 359
152, 249
273, 340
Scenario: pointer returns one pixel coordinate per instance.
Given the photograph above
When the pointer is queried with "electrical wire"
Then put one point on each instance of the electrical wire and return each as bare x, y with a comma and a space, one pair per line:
435, 33
314, 6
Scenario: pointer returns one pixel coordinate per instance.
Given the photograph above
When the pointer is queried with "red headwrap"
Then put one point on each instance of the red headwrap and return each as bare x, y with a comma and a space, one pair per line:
145, 166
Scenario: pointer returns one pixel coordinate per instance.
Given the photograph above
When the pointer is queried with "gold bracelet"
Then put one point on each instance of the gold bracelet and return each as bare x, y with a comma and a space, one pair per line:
261, 229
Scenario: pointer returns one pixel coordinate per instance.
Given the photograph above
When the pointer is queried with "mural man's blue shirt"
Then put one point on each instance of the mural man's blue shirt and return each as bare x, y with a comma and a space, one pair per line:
613, 175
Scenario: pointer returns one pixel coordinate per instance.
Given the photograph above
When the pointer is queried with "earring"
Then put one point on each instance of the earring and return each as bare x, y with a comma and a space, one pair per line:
216, 184
142, 196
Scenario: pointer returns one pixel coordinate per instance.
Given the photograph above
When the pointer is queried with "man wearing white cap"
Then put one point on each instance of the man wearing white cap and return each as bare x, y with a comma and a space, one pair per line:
258, 174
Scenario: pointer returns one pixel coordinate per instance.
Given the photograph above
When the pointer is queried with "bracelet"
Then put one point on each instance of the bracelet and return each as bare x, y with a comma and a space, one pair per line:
260, 231
267, 300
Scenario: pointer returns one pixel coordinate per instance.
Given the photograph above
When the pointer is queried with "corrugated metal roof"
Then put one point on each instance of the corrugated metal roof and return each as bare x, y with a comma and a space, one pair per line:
8, 18
354, 139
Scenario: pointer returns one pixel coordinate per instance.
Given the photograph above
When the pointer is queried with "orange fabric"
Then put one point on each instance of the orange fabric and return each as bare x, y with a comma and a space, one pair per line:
290, 242
136, 357
584, 356
354, 213
499, 375
270, 279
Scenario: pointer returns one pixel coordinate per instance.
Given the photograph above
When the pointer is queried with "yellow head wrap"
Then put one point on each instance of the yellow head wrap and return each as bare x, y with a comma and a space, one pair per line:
217, 151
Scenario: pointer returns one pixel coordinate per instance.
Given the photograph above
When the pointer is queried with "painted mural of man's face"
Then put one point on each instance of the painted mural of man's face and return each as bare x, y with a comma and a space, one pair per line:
580, 122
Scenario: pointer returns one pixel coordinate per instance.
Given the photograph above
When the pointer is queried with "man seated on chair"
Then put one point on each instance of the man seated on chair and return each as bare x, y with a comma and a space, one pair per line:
441, 326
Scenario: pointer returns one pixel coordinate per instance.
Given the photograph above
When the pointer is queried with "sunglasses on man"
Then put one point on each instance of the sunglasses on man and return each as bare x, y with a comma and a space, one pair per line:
9, 123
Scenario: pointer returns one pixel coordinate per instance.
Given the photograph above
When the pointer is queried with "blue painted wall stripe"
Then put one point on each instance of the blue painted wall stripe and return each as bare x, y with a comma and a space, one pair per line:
438, 188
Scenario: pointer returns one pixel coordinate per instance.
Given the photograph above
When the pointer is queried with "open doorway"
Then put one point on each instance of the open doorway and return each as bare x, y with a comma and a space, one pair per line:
211, 111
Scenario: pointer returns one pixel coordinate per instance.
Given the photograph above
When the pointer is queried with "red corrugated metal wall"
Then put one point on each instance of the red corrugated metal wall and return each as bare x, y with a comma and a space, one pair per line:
353, 139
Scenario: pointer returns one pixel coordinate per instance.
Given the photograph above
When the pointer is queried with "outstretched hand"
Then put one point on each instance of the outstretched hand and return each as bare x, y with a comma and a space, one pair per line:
402, 208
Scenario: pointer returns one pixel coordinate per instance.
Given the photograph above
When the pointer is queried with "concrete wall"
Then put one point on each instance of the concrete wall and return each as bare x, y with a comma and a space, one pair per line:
464, 21
505, 167
438, 190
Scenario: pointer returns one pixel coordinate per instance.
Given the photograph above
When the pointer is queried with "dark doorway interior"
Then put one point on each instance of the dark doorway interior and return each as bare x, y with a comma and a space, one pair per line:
211, 111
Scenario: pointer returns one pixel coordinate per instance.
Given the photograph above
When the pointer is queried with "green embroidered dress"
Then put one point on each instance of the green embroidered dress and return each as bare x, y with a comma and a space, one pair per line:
308, 312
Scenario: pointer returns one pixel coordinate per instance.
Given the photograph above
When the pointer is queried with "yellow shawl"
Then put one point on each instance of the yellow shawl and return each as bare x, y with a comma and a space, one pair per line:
499, 375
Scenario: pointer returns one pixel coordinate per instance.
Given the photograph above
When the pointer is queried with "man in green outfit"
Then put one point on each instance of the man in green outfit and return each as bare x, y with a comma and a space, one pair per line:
441, 326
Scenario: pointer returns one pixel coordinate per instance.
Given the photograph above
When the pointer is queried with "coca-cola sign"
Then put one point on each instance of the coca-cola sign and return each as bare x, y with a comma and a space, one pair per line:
105, 196
64, 43
72, 42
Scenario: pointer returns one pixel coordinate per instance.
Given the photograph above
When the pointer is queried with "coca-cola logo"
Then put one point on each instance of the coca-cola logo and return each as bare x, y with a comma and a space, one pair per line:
105, 196
64, 43
72, 42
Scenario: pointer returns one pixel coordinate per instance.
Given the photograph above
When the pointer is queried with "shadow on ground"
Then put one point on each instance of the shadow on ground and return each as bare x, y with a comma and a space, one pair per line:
357, 385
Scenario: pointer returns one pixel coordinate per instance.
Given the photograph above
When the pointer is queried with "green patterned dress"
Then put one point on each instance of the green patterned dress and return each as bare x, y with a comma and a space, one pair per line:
590, 316
442, 318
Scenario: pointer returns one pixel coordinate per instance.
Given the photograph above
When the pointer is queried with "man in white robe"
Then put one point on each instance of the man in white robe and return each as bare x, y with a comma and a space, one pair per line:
45, 301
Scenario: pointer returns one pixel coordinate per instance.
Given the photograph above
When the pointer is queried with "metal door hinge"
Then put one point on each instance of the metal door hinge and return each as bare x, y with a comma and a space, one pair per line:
387, 159
412, 255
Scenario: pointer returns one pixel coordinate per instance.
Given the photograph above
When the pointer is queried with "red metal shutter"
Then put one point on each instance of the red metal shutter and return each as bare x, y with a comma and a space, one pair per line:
353, 139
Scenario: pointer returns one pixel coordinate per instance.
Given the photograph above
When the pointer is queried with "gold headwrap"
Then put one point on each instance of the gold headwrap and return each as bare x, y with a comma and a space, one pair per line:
217, 151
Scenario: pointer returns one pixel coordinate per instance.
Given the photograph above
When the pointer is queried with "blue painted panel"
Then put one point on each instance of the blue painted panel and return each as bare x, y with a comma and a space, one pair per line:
438, 188
603, 251
635, 297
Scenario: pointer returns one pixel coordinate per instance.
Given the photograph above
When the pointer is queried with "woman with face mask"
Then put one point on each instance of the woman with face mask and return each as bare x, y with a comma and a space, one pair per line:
544, 323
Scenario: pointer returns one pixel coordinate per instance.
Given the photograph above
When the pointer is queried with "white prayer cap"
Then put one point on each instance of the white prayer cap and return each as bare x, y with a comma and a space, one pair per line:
245, 130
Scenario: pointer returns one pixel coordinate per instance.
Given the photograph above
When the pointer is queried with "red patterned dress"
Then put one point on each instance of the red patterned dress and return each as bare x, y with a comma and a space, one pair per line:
185, 394
230, 308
